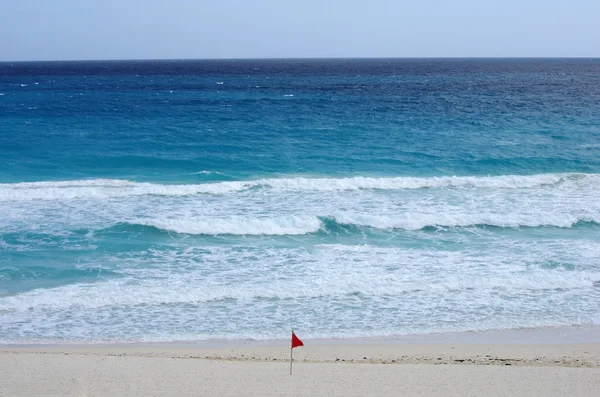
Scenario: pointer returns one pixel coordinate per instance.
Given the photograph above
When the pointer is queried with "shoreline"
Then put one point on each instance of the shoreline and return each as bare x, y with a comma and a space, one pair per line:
523, 336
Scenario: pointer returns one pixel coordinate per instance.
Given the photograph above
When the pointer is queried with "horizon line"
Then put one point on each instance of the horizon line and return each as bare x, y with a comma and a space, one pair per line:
311, 58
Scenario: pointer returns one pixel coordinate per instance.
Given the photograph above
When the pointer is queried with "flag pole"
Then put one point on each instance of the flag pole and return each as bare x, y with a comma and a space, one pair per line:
295, 343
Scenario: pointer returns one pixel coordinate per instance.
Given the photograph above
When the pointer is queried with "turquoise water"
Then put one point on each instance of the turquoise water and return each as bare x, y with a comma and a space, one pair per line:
191, 200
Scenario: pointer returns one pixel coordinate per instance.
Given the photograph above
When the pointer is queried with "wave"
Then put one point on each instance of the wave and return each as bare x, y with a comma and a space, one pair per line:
106, 188
292, 225
354, 224
440, 221
195, 288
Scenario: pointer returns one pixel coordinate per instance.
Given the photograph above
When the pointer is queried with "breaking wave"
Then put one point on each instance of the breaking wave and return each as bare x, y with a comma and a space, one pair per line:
106, 188
299, 225
292, 225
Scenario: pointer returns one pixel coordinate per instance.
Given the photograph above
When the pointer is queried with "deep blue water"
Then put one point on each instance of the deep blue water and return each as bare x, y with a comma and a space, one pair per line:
182, 200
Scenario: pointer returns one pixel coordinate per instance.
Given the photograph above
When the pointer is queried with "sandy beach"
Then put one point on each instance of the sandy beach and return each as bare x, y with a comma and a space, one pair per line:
320, 369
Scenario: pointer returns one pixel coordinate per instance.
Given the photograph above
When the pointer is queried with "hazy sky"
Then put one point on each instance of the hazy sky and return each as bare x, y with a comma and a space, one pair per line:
149, 29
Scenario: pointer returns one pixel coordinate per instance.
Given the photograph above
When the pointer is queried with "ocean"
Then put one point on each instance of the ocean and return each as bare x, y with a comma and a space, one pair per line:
162, 201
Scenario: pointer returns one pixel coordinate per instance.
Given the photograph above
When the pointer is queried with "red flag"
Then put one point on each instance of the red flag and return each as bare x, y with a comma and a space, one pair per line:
296, 341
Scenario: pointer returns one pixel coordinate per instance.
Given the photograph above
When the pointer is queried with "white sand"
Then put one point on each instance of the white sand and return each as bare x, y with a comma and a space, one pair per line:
320, 370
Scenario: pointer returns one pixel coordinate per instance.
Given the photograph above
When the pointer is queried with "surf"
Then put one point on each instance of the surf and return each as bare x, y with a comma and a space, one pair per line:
114, 188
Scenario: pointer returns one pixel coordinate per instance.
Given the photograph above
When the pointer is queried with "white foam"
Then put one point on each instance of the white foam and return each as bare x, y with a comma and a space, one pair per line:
106, 188
240, 225
204, 172
330, 280
419, 221
304, 224
330, 290
103, 188
292, 206
400, 183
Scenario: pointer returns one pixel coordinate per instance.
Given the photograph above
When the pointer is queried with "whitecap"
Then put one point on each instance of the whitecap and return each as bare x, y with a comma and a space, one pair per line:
238, 225
100, 188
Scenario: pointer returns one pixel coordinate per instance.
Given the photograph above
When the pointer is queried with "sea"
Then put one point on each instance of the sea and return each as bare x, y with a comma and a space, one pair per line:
194, 200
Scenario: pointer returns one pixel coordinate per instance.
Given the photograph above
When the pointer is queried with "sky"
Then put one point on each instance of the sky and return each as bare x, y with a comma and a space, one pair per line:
198, 29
